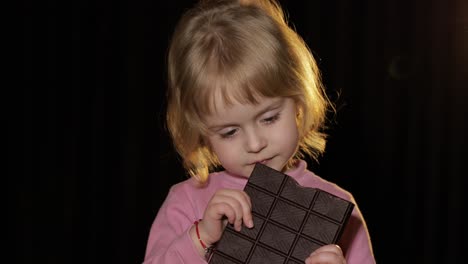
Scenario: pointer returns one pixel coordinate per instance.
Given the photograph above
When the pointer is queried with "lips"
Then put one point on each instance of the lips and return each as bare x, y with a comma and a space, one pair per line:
261, 161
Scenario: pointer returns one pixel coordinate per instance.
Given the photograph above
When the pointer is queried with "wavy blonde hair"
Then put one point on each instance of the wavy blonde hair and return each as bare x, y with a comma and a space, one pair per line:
243, 50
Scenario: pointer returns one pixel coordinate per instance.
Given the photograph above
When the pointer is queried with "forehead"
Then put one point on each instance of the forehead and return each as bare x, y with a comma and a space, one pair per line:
226, 97
219, 97
233, 84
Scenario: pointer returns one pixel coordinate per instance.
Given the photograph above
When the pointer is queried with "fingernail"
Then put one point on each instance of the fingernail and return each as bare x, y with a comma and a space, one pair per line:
251, 224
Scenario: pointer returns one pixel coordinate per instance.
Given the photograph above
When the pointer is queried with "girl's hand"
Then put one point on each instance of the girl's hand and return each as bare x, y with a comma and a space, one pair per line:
330, 254
225, 206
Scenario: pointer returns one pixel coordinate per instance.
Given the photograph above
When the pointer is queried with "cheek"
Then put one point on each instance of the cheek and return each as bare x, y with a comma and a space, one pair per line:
289, 136
222, 150
289, 131
228, 156
292, 138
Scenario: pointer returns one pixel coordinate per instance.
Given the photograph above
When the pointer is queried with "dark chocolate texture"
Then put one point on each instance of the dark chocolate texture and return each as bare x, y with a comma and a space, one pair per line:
290, 222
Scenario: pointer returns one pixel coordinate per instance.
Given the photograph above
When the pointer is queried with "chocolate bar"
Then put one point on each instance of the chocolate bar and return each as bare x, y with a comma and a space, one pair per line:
290, 222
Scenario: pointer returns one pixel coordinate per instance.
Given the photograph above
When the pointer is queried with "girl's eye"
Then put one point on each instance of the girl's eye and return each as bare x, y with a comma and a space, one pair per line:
271, 120
229, 133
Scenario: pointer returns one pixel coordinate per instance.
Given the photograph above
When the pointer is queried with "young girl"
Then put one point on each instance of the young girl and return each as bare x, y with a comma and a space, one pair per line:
243, 89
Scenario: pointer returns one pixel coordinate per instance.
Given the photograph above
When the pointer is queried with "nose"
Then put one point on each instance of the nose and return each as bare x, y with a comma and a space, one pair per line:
255, 141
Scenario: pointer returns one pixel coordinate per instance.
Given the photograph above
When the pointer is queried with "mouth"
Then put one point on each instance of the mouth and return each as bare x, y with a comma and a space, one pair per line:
261, 161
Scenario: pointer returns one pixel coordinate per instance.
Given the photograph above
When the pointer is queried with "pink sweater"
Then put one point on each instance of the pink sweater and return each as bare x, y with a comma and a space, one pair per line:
169, 241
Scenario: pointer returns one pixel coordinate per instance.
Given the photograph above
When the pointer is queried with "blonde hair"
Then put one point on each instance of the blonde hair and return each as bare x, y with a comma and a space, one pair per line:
242, 50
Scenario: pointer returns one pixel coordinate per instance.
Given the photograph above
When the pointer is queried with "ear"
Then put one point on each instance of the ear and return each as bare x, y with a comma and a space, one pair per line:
300, 119
298, 111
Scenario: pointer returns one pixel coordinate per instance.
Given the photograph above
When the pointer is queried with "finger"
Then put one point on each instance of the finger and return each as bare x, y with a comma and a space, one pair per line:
332, 248
246, 207
325, 257
242, 202
247, 198
326, 254
247, 211
214, 221
219, 210
231, 208
246, 204
242, 196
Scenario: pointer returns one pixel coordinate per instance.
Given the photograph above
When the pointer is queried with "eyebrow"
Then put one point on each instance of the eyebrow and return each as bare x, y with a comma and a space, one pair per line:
277, 103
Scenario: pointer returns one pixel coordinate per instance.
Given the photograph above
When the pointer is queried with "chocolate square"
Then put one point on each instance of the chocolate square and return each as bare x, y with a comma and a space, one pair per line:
290, 221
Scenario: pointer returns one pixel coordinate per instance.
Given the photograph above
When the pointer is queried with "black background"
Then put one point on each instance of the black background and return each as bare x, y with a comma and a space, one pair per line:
89, 161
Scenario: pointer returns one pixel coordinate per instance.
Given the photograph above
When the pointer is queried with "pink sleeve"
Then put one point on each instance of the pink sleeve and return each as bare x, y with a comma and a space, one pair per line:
169, 240
356, 241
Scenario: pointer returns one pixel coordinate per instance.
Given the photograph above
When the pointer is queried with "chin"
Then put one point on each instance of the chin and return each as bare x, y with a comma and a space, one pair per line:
276, 166
241, 172
248, 171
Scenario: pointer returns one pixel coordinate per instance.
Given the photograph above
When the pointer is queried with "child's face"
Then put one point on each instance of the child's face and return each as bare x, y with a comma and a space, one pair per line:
244, 134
